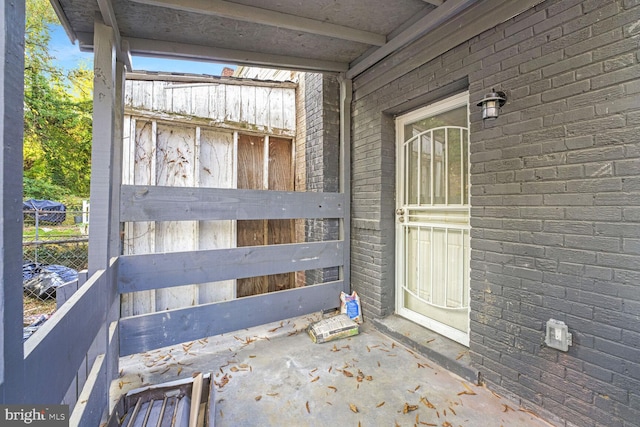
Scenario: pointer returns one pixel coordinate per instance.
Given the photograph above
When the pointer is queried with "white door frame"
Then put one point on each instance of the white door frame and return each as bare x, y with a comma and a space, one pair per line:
450, 103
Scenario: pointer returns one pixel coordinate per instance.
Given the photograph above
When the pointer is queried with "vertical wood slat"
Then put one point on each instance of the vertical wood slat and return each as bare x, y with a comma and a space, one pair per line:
288, 109
200, 101
140, 237
216, 170
175, 158
233, 103
280, 231
217, 102
248, 104
250, 174
262, 106
11, 118
276, 113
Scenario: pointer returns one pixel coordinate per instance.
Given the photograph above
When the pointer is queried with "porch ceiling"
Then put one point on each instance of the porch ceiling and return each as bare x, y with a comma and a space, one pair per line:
319, 35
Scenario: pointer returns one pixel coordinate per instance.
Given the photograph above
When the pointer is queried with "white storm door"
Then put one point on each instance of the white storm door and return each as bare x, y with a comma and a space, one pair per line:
432, 217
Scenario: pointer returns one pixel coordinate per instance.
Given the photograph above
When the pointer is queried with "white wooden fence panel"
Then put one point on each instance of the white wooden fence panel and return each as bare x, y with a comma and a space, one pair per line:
175, 166
140, 236
217, 102
181, 100
248, 104
251, 107
288, 113
216, 170
262, 106
276, 108
200, 101
233, 103
142, 94
160, 97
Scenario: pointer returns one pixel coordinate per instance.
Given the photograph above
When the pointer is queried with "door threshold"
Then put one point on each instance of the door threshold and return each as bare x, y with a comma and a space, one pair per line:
447, 353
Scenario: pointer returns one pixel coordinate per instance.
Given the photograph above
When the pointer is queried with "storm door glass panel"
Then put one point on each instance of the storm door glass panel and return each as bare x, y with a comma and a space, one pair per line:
413, 172
439, 171
425, 168
455, 173
433, 218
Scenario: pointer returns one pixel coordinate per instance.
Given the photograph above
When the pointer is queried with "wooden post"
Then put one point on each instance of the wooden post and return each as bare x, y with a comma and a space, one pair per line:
106, 176
103, 148
11, 102
346, 94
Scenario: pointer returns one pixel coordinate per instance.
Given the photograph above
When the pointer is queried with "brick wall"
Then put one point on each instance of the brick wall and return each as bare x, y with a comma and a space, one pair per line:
322, 157
555, 203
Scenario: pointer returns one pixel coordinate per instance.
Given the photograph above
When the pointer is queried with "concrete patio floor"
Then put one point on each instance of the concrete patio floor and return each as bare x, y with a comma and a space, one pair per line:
274, 375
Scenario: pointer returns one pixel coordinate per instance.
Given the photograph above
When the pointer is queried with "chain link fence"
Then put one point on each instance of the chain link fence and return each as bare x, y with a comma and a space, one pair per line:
55, 246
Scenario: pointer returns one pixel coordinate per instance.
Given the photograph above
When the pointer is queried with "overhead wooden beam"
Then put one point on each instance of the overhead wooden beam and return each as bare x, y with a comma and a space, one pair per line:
172, 50
434, 2
429, 22
62, 17
272, 18
109, 18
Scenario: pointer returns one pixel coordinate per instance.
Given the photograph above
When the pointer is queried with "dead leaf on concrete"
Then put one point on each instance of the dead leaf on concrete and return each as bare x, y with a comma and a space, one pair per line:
427, 403
408, 408
380, 404
353, 408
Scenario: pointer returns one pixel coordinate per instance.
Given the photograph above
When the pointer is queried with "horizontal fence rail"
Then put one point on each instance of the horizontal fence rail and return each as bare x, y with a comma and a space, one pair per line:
157, 203
150, 331
55, 352
163, 270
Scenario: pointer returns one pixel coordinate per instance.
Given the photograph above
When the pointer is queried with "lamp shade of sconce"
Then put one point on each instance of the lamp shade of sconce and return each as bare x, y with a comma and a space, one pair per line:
491, 104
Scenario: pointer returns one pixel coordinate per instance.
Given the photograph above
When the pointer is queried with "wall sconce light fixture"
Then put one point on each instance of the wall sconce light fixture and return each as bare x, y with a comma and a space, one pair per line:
491, 104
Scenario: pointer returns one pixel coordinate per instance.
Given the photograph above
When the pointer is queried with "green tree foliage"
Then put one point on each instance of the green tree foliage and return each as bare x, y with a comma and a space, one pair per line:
58, 109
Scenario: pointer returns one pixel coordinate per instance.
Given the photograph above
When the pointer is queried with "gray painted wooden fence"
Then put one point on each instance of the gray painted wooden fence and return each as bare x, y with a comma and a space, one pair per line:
152, 272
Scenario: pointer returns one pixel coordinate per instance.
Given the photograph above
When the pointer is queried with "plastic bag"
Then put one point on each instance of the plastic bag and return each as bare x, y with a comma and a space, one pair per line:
350, 305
